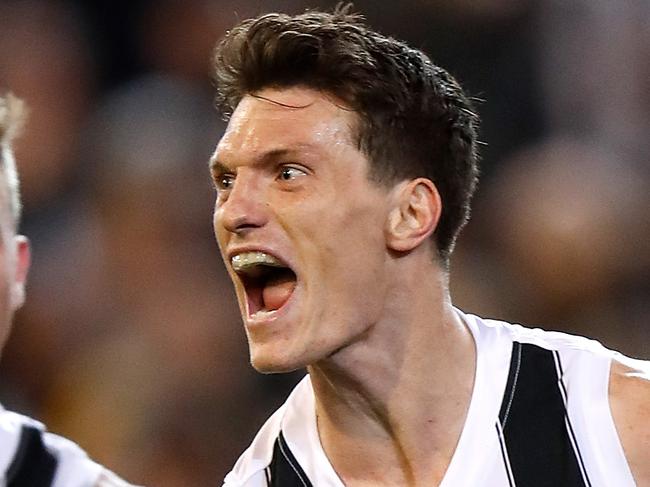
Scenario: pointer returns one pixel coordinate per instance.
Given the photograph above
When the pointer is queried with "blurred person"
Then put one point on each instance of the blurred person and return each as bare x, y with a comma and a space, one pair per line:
343, 178
571, 216
29, 455
588, 202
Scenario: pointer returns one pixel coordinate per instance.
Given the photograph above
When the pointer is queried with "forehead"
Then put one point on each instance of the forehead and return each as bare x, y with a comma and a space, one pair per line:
285, 119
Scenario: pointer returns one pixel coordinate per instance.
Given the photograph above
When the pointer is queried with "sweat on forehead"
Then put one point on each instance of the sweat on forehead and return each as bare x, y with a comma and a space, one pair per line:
310, 115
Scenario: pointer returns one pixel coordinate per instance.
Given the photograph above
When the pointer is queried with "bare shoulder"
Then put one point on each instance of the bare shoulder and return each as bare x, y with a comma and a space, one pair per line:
109, 479
629, 397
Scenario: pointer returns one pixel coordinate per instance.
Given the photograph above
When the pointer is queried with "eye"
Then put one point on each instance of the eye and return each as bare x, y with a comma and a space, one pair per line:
289, 173
224, 182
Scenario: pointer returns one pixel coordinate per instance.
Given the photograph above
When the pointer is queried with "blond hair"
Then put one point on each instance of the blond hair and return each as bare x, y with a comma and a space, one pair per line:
12, 117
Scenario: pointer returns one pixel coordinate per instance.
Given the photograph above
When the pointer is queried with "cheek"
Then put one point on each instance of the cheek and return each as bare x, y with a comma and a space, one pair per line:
358, 234
219, 231
341, 229
215, 224
345, 251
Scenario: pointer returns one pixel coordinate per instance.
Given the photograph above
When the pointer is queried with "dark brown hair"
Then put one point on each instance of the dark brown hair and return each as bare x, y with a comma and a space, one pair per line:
414, 119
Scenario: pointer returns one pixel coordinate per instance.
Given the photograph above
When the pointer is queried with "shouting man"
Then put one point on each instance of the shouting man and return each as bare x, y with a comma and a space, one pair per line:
343, 179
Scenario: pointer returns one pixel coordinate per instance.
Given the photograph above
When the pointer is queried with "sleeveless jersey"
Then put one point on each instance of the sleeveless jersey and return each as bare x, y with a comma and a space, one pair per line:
32, 457
539, 416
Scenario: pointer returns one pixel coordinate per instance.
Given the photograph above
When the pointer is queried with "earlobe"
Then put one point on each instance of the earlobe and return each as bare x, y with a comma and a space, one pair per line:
414, 215
23, 261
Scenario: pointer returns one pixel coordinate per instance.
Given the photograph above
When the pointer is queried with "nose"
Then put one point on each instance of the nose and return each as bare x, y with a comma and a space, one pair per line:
245, 207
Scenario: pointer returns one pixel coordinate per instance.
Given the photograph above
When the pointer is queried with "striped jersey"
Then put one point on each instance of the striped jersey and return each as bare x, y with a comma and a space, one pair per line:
32, 457
539, 416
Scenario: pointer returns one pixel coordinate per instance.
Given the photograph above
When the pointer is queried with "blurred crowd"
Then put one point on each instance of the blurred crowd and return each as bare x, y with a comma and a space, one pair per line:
130, 342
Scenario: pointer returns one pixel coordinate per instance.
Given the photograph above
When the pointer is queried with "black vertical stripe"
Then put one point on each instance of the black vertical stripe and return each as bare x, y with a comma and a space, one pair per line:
533, 422
284, 468
33, 464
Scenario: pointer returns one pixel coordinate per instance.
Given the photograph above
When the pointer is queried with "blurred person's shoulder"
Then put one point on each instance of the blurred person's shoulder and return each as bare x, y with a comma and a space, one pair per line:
289, 423
30, 455
629, 395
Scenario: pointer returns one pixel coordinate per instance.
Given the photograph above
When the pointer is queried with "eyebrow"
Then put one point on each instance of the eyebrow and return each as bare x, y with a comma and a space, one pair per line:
217, 166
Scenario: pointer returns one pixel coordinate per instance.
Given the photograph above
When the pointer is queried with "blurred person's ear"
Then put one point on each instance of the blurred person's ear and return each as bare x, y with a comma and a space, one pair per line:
414, 216
22, 262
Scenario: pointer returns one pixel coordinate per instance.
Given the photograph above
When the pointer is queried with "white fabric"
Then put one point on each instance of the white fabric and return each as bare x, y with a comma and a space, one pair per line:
74, 468
477, 459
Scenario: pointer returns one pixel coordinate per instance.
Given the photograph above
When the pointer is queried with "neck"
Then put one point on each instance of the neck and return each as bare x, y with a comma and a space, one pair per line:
391, 406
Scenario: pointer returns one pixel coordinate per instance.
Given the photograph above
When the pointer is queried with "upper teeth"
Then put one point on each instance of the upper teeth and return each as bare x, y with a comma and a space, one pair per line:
246, 260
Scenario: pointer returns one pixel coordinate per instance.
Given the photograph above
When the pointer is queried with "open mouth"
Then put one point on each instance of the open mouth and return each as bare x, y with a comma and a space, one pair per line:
268, 282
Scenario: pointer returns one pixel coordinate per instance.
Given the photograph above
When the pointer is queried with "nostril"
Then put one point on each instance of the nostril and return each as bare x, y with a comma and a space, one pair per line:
244, 228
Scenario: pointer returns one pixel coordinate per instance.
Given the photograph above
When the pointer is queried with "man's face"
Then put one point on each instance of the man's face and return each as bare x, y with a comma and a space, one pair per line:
300, 227
14, 261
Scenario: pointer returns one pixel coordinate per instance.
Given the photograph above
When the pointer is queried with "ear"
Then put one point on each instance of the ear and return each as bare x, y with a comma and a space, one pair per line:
414, 215
22, 263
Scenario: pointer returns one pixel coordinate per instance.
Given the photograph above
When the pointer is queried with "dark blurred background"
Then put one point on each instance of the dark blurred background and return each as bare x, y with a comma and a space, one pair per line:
130, 342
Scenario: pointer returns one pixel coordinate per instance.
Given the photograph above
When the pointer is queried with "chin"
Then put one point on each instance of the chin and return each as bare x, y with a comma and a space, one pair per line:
268, 363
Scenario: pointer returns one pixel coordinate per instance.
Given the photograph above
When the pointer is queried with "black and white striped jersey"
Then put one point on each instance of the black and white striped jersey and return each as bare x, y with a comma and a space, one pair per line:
32, 457
539, 416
